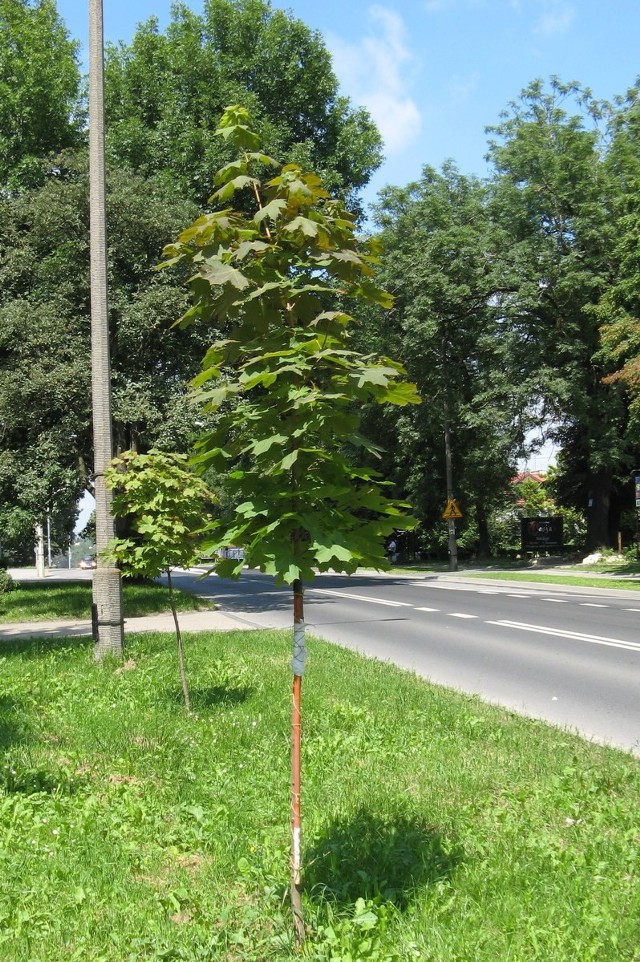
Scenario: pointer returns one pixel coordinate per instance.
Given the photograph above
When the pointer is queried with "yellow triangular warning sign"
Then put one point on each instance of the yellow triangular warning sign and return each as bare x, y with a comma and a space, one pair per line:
452, 511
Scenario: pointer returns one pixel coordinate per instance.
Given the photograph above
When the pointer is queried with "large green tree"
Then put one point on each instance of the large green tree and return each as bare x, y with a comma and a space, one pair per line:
619, 308
443, 262
45, 388
552, 195
165, 91
40, 107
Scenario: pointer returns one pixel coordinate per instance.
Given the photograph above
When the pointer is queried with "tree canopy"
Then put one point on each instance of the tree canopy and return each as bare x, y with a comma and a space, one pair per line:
619, 308
517, 306
444, 262
164, 94
517, 297
166, 90
553, 194
281, 373
40, 105
45, 394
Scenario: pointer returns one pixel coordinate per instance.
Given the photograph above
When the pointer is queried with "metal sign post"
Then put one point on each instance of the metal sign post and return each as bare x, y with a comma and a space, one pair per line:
450, 514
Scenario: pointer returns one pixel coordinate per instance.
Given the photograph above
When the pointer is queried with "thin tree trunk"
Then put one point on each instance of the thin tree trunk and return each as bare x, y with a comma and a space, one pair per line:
299, 658
107, 589
183, 673
452, 542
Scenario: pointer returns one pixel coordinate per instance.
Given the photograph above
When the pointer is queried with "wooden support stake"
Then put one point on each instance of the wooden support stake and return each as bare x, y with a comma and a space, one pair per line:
296, 740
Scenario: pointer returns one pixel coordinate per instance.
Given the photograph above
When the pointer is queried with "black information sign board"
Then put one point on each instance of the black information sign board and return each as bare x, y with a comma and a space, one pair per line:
541, 534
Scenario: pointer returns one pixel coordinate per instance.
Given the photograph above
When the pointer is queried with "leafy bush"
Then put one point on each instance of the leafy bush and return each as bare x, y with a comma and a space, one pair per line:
6, 581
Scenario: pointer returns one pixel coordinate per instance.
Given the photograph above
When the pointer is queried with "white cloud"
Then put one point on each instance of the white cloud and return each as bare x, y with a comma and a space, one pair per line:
432, 6
376, 73
552, 16
398, 120
435, 6
556, 18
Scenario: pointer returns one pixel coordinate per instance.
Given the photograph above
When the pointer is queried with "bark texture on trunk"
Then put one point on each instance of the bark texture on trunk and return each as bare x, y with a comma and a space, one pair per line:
107, 588
598, 510
484, 541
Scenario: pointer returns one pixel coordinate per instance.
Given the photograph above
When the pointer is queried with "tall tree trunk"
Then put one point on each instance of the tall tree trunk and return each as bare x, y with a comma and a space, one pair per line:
297, 664
107, 588
598, 504
484, 541
181, 665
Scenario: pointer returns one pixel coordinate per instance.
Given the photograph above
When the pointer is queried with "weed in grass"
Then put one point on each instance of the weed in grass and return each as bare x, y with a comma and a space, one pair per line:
19, 774
13, 724
355, 936
221, 683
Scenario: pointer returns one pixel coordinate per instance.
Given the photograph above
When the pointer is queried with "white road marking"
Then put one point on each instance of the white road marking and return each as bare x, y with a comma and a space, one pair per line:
439, 587
373, 601
593, 639
571, 635
469, 587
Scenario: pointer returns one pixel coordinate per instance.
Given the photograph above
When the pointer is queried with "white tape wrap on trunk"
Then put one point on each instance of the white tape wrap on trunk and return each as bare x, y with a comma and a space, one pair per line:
299, 648
296, 856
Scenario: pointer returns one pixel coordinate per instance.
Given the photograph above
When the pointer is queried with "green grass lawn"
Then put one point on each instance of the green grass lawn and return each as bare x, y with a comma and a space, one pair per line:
435, 827
32, 601
578, 581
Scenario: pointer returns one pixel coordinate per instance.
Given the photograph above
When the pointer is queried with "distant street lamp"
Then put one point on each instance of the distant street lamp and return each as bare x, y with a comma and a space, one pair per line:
39, 550
48, 510
48, 537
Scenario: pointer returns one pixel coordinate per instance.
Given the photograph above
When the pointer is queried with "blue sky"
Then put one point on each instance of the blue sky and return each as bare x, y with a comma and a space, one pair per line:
435, 73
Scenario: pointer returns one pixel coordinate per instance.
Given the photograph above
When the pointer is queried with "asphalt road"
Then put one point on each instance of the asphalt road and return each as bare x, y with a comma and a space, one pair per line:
570, 656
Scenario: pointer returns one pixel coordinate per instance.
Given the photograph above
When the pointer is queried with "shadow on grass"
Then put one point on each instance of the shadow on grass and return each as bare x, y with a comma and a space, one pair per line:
21, 778
40, 644
13, 729
372, 856
258, 594
214, 696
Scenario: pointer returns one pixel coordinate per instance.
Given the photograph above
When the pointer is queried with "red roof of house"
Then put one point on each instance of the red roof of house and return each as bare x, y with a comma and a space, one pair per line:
528, 476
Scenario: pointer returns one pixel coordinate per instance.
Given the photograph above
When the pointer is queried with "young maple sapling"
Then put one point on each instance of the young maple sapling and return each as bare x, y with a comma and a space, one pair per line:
166, 505
268, 264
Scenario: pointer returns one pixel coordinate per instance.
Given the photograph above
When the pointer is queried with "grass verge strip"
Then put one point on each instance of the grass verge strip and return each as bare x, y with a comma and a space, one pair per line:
436, 827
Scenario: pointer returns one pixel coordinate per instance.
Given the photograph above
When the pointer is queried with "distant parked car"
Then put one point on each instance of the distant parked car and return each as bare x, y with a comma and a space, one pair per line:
87, 563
